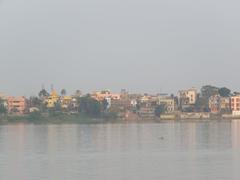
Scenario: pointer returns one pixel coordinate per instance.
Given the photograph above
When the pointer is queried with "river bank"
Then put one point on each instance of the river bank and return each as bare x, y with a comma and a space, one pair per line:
80, 118
197, 116
56, 118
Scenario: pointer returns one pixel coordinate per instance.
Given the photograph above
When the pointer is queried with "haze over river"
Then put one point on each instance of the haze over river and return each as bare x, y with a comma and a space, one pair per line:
201, 150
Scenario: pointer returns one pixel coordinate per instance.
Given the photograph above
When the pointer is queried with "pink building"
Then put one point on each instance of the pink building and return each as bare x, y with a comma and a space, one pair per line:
17, 105
235, 105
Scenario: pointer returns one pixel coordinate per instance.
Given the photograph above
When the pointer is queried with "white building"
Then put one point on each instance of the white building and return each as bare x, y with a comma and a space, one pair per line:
187, 98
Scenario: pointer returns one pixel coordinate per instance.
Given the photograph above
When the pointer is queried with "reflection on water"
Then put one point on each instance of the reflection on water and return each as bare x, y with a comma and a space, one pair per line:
172, 150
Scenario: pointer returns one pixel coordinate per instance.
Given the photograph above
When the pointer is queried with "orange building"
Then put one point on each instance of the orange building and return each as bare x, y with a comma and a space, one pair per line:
17, 105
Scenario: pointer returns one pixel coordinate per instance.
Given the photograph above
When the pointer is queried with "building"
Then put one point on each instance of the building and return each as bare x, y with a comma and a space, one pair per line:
101, 95
168, 102
134, 103
187, 98
235, 105
215, 104
146, 113
225, 104
17, 105
124, 94
66, 102
218, 104
52, 99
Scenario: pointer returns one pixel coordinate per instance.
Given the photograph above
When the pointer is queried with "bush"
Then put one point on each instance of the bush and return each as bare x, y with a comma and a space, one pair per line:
35, 116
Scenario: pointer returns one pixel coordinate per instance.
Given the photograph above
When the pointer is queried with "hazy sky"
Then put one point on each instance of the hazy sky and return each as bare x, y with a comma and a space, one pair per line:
141, 45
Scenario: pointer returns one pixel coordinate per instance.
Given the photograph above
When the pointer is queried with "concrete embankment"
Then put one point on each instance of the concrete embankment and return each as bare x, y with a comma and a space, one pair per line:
185, 116
197, 116
230, 116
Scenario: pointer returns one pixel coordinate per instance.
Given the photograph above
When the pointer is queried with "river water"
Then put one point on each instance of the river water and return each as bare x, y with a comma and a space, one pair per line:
203, 150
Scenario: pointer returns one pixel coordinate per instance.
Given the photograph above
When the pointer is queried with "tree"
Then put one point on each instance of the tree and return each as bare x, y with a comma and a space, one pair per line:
35, 101
160, 109
63, 92
43, 93
3, 109
57, 109
201, 103
89, 106
35, 116
138, 105
224, 92
208, 91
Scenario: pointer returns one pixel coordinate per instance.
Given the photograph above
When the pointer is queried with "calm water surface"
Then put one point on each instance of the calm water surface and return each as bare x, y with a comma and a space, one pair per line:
168, 151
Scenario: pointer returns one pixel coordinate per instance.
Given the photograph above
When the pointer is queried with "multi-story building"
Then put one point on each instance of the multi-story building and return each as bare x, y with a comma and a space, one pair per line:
219, 104
17, 105
215, 104
66, 101
187, 98
146, 112
101, 95
168, 102
52, 99
235, 105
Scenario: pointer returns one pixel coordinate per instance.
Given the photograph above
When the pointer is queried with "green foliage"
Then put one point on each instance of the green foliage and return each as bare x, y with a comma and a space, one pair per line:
3, 109
43, 93
224, 92
35, 116
201, 103
90, 106
57, 108
138, 106
208, 91
35, 101
160, 109
110, 115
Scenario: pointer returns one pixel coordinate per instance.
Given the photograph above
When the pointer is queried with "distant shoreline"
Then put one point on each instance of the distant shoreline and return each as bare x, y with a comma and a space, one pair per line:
55, 119
84, 119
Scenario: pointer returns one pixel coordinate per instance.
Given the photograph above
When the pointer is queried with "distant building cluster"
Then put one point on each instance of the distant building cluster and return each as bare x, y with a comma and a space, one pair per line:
209, 102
